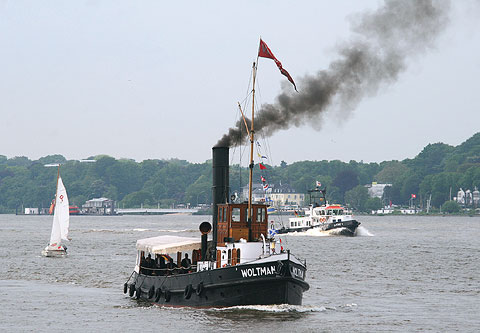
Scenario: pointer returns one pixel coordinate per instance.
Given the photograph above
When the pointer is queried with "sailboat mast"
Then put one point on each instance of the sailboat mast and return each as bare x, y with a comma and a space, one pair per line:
56, 188
250, 182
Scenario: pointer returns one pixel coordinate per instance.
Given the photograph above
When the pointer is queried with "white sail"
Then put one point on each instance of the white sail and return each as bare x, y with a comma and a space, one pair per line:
61, 216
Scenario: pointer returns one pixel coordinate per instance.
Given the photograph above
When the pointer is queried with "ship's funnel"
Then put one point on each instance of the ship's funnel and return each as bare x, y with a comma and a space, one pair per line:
205, 228
220, 182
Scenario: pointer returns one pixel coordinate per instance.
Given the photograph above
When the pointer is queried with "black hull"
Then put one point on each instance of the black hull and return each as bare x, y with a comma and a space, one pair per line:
345, 228
225, 287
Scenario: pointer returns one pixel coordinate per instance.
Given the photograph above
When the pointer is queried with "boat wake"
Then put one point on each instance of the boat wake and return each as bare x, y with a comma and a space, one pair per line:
121, 231
362, 231
177, 230
316, 232
116, 231
280, 308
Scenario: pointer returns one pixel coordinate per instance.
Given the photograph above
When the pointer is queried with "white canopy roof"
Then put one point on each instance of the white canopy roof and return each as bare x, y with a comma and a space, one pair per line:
168, 244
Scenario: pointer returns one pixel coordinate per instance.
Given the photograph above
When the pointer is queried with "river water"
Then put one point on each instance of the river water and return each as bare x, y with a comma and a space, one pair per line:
401, 273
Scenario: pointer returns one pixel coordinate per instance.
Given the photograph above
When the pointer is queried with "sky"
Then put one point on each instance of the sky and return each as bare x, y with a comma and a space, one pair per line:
157, 80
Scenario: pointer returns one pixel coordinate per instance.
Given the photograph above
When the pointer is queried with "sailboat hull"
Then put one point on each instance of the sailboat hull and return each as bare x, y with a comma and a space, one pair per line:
54, 253
257, 284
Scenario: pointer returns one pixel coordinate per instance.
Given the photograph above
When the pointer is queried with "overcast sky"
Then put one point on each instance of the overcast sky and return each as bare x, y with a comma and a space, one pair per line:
151, 79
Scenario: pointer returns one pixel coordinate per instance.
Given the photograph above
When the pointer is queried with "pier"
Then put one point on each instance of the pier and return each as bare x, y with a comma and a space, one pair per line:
155, 211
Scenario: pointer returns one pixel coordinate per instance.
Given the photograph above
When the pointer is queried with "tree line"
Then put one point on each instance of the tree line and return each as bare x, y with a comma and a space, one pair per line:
438, 170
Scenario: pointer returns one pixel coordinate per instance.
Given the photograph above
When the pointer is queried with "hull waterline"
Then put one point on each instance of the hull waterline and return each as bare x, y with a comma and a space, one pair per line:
260, 284
54, 253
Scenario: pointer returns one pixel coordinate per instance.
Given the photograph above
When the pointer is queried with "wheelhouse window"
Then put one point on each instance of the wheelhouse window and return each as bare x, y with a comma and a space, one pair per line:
235, 214
260, 215
238, 256
221, 215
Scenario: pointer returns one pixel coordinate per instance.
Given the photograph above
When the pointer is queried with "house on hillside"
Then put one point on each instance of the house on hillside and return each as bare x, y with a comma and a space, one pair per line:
283, 196
376, 190
280, 196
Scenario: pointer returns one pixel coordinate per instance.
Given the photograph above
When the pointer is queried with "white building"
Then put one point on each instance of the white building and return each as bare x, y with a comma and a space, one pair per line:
376, 190
285, 195
468, 198
31, 211
99, 206
278, 196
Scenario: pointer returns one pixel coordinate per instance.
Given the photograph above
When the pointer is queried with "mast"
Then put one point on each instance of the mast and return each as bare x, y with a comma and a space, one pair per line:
58, 176
56, 187
250, 181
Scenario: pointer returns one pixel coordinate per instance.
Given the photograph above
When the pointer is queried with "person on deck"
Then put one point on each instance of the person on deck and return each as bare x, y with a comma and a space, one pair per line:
171, 266
142, 264
161, 265
149, 264
186, 263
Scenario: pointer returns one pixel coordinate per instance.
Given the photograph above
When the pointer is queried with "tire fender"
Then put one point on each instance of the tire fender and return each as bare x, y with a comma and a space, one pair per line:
151, 292
199, 289
158, 294
168, 295
131, 290
187, 293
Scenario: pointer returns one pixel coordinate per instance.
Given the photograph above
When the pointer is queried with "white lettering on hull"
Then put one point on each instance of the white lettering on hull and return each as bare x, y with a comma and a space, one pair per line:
296, 272
257, 271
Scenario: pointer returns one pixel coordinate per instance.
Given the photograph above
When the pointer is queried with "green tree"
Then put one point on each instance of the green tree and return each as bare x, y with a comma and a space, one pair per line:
450, 207
431, 159
136, 199
345, 181
373, 204
50, 159
357, 198
391, 172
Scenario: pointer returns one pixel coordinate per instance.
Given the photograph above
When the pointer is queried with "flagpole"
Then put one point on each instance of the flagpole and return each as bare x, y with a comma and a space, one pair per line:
252, 140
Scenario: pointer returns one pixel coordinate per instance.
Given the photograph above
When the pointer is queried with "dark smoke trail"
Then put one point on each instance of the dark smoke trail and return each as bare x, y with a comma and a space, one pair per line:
377, 54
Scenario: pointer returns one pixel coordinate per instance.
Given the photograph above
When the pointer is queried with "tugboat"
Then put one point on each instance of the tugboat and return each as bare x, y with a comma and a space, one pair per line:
241, 265
325, 217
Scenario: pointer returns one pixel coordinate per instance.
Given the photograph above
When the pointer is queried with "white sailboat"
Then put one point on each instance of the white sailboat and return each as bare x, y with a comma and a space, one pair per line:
61, 221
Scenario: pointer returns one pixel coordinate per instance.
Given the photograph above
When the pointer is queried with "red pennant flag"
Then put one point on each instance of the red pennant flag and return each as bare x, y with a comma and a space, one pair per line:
262, 167
265, 52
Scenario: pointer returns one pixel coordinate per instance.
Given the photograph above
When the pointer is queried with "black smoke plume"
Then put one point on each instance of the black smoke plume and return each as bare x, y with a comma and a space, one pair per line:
382, 42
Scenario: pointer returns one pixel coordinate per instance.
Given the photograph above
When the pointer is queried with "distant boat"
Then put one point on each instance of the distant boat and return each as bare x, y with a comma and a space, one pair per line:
74, 210
323, 217
61, 221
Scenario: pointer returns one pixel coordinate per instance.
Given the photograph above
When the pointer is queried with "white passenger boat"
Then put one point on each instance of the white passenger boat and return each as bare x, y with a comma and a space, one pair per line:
325, 217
